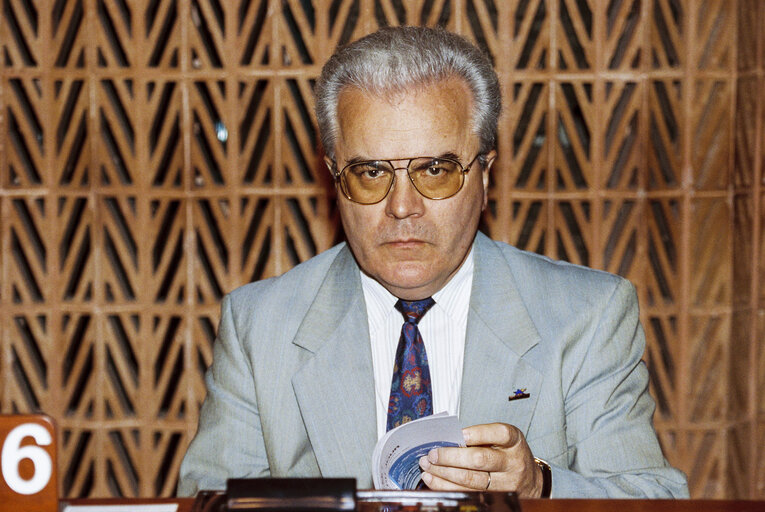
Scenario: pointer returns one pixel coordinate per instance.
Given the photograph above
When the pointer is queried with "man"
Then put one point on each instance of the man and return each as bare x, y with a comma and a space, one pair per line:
540, 358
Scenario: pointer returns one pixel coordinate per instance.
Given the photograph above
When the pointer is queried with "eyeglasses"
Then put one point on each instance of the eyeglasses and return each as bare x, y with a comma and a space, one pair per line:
369, 182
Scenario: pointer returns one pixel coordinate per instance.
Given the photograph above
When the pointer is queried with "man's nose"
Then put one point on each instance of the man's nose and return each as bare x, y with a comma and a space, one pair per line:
403, 200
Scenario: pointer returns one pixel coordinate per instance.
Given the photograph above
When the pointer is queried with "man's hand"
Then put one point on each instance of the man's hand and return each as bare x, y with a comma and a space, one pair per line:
496, 458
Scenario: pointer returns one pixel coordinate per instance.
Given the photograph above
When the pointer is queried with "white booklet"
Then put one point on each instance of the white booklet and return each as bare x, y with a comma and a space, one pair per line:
395, 460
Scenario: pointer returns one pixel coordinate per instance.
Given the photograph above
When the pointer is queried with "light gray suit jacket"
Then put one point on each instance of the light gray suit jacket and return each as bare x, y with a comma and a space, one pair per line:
291, 393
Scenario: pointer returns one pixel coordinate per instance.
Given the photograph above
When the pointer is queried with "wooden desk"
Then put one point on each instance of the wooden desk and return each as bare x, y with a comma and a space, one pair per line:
642, 505
184, 505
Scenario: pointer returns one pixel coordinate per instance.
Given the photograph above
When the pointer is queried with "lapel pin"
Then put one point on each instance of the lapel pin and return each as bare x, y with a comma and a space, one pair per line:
518, 394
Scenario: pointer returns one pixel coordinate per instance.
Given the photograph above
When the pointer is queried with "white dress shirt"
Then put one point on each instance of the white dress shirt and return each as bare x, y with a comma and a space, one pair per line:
443, 332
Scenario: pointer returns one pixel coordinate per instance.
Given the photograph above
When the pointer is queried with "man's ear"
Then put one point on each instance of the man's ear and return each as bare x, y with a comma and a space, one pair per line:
490, 157
330, 164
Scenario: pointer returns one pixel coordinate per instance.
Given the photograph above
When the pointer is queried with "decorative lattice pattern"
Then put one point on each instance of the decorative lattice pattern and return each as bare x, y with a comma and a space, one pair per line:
156, 154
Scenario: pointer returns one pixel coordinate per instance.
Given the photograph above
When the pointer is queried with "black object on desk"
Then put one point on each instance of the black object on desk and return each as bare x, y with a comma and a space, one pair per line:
298, 494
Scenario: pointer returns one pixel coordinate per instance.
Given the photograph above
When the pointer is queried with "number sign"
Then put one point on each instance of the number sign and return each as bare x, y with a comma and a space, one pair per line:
28, 463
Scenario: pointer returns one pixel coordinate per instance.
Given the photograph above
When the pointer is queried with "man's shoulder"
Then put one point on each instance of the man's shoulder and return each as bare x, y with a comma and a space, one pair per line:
302, 281
558, 294
533, 270
565, 302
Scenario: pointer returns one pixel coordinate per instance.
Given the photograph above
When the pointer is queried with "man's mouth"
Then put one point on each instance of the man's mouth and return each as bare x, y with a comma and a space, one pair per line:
405, 243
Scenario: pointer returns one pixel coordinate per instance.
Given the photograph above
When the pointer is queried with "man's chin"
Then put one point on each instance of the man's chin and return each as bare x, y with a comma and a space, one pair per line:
409, 286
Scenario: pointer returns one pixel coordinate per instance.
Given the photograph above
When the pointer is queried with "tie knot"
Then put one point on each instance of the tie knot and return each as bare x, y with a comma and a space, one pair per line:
413, 310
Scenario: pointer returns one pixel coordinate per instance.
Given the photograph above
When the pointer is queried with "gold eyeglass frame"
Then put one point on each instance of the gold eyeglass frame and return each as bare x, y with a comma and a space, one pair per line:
338, 176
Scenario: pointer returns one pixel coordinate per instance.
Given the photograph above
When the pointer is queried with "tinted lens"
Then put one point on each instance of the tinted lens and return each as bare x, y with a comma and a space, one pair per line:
436, 178
367, 182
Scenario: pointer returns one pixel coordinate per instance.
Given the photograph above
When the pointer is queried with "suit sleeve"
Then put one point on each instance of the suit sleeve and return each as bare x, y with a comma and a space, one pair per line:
229, 441
613, 450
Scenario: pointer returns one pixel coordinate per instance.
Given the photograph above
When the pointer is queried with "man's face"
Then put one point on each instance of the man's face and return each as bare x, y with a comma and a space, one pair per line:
408, 243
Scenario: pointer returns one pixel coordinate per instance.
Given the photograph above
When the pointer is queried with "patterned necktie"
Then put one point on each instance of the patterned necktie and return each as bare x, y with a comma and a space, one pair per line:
410, 394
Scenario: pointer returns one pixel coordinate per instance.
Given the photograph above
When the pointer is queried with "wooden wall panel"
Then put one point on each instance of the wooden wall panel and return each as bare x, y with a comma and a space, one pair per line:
156, 154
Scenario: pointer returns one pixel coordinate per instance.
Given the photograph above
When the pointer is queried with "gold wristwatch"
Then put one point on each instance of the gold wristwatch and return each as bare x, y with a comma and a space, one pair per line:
546, 477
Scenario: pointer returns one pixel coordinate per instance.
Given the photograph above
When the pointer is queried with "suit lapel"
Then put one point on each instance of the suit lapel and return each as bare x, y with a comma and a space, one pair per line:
499, 332
335, 389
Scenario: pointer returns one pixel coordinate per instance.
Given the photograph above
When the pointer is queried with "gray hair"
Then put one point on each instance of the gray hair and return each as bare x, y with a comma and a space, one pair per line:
395, 59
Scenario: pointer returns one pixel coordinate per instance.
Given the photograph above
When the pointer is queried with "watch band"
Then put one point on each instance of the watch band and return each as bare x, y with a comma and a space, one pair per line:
546, 477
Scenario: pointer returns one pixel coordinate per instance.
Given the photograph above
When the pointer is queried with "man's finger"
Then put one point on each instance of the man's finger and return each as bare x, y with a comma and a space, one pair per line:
471, 479
476, 458
439, 484
496, 434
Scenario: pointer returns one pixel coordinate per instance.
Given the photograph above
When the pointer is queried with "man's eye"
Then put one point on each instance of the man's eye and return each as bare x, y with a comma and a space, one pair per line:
433, 168
436, 170
373, 173
368, 172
